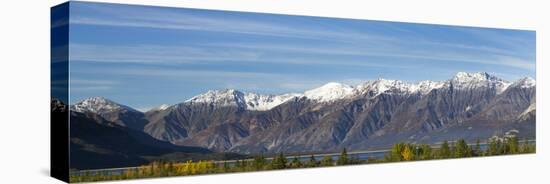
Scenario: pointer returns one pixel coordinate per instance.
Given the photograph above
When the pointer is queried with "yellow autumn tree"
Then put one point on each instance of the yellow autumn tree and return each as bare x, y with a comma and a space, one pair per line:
143, 171
185, 169
407, 153
202, 167
130, 173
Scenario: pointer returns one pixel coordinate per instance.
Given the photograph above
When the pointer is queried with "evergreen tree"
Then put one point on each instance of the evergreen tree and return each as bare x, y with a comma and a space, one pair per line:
526, 147
513, 145
500, 148
238, 163
152, 169
312, 162
327, 161
476, 151
452, 147
462, 149
225, 167
343, 159
354, 160
425, 151
259, 162
279, 162
295, 163
493, 147
444, 151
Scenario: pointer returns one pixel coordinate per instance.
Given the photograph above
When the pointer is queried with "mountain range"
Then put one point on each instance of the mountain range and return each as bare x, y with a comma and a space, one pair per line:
96, 142
374, 114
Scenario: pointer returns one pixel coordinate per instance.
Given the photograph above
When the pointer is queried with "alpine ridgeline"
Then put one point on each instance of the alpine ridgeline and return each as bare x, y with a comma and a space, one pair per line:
374, 114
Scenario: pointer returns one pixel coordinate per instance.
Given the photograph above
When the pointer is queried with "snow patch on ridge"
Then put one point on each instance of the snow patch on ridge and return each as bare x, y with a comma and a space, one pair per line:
249, 101
424, 87
526, 82
266, 102
98, 105
463, 80
161, 107
226, 97
334, 91
330, 92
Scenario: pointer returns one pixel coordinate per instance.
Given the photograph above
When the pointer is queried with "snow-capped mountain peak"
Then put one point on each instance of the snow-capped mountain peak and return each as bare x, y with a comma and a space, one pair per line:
265, 102
424, 87
226, 97
98, 105
526, 82
334, 91
379, 86
469, 77
330, 92
463, 80
249, 101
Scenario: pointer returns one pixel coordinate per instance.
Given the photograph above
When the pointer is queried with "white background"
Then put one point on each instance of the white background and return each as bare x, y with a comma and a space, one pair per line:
24, 90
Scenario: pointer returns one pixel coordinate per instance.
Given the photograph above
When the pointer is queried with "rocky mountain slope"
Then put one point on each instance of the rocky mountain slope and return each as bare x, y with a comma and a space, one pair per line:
374, 114
98, 143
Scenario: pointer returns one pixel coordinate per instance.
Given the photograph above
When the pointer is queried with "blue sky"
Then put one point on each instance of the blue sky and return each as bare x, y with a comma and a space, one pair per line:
145, 56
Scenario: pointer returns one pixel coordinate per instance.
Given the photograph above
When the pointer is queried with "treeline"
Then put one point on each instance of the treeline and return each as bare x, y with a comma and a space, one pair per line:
458, 149
258, 163
398, 152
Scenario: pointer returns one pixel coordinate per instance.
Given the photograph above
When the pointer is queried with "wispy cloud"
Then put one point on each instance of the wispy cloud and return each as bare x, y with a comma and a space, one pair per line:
253, 53
153, 54
503, 37
246, 81
146, 17
90, 88
196, 74
92, 82
339, 40
492, 56
84, 85
262, 53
